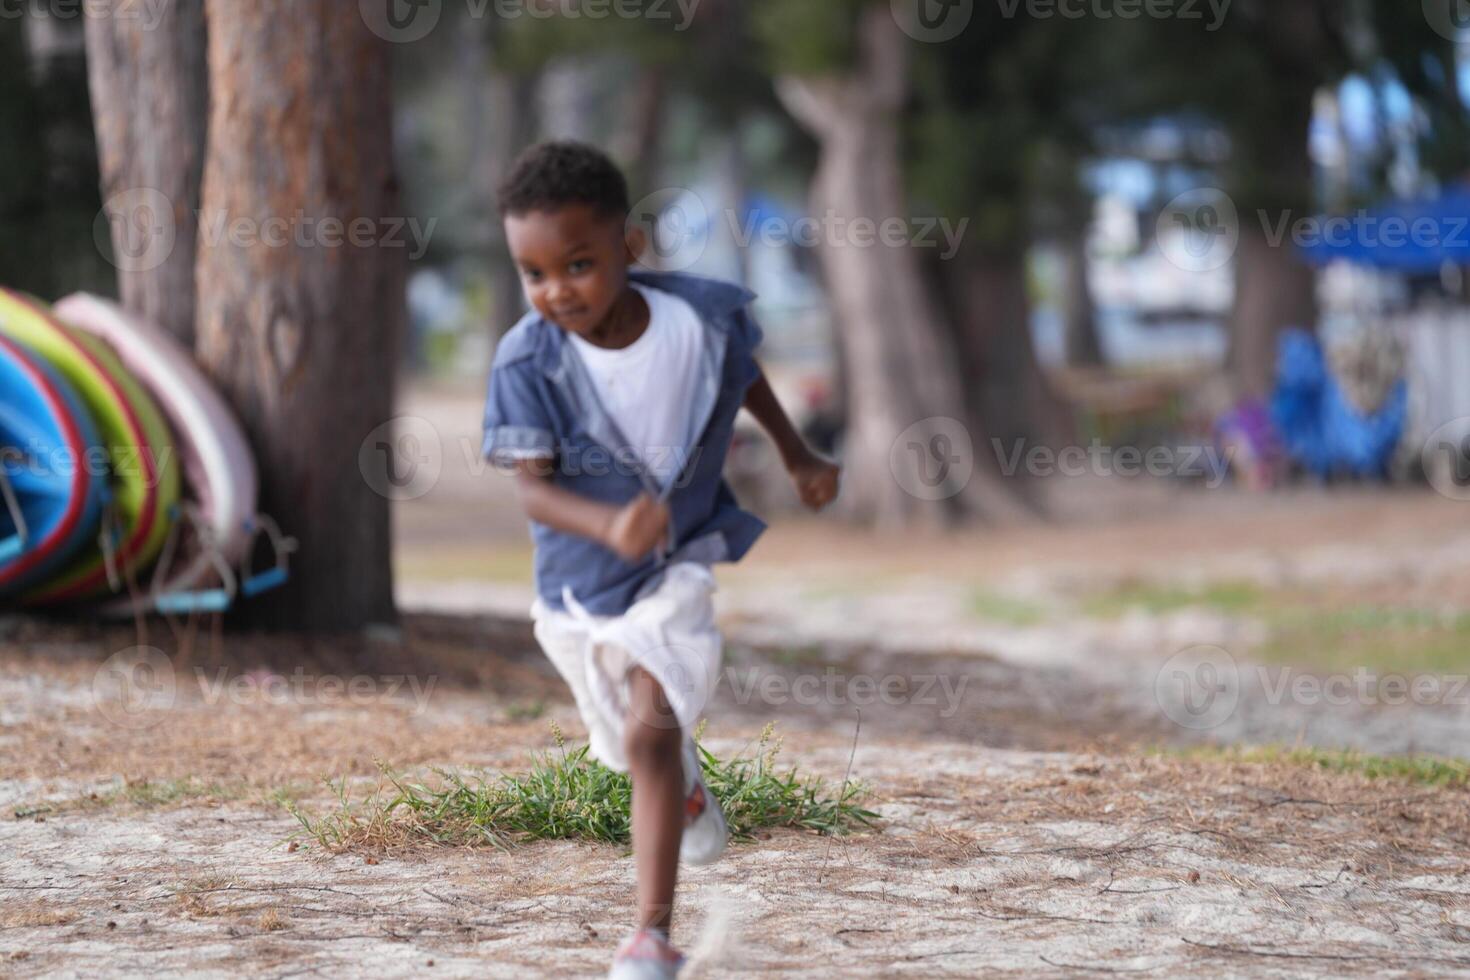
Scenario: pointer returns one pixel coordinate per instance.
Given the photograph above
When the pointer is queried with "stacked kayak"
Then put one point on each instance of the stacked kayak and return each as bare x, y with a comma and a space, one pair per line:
51, 504
126, 484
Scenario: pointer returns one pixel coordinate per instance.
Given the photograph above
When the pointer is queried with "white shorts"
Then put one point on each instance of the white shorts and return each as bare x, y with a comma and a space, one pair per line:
670, 633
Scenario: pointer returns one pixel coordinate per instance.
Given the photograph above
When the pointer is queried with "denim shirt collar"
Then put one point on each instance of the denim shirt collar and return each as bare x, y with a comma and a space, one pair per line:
713, 300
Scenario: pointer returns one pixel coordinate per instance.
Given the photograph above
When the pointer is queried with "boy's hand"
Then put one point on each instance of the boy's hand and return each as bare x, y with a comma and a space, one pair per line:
638, 527
815, 478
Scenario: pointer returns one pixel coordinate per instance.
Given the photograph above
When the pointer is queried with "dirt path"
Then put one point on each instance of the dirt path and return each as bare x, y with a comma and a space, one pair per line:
1006, 861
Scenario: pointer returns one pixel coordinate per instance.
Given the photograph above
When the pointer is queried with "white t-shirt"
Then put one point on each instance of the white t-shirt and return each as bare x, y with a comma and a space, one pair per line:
648, 386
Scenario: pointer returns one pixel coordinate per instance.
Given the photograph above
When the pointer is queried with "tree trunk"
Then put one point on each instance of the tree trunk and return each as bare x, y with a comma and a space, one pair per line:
904, 385
1080, 342
1273, 289
1008, 396
149, 104
1272, 180
514, 101
302, 336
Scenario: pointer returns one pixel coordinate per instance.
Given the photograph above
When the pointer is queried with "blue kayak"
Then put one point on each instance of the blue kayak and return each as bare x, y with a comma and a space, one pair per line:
53, 474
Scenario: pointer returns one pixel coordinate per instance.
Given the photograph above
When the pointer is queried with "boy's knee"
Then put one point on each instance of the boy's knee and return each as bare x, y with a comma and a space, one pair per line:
652, 734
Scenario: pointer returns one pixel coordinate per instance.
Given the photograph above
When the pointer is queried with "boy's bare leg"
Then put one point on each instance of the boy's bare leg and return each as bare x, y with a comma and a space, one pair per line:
653, 741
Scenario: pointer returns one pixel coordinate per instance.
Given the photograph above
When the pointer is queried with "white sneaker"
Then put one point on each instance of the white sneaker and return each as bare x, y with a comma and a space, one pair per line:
705, 831
646, 955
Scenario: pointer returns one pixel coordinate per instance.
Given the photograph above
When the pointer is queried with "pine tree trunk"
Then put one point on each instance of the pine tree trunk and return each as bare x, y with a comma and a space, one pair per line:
1274, 289
149, 105
303, 337
1008, 396
1272, 180
1080, 341
900, 366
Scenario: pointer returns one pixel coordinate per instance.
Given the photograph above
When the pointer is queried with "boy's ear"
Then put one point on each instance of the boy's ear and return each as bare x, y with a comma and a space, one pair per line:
635, 240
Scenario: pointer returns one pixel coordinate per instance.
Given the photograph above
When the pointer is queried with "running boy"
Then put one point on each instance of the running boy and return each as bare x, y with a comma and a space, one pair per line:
615, 400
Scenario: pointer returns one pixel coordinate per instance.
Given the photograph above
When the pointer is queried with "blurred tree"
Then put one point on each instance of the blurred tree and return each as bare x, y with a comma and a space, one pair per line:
302, 335
1259, 75
845, 75
150, 102
48, 160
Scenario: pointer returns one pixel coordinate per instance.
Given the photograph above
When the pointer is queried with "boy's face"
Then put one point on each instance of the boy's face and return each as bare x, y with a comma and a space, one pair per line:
573, 262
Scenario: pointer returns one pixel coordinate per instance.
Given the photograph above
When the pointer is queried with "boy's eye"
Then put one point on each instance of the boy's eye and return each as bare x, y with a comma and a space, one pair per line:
531, 274
579, 265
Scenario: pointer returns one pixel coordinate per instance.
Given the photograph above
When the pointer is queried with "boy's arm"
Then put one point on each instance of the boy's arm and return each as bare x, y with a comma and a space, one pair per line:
632, 530
816, 478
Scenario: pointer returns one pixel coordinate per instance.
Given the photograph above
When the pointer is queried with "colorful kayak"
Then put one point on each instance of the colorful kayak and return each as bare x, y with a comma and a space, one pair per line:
144, 473
219, 467
51, 480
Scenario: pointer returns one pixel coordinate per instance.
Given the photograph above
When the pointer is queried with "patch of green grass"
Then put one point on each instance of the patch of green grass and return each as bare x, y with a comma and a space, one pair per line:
1004, 609
567, 795
1381, 638
1234, 598
802, 655
1424, 769
525, 710
1305, 628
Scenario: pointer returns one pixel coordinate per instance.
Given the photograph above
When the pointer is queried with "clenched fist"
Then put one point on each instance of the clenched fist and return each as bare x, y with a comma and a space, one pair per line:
638, 528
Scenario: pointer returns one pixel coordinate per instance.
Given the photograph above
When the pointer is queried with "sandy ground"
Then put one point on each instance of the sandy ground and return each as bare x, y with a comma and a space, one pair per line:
1029, 825
1005, 861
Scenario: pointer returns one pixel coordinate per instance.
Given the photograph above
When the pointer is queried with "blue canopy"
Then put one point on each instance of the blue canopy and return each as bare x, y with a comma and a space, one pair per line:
1409, 236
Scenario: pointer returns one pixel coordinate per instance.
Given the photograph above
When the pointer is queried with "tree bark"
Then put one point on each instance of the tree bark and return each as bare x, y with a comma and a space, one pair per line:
302, 335
1272, 180
1008, 397
900, 365
1080, 341
1274, 289
149, 105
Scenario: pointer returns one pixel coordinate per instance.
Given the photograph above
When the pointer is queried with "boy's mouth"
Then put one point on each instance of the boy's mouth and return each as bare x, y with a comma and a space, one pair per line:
569, 314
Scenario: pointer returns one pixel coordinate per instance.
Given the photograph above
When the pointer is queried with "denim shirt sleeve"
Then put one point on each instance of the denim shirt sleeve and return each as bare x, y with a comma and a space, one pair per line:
746, 333
517, 423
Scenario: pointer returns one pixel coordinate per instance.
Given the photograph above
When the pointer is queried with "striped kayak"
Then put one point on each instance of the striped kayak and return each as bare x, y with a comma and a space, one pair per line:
144, 473
52, 475
219, 467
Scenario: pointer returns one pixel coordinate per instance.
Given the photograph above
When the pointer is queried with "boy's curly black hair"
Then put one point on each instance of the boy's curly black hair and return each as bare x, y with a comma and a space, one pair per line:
556, 172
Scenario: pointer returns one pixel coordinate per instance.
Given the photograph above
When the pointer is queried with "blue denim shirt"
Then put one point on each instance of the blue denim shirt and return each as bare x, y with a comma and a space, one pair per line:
541, 402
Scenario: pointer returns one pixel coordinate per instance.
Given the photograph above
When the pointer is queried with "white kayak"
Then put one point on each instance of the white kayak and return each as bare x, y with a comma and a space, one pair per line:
219, 467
